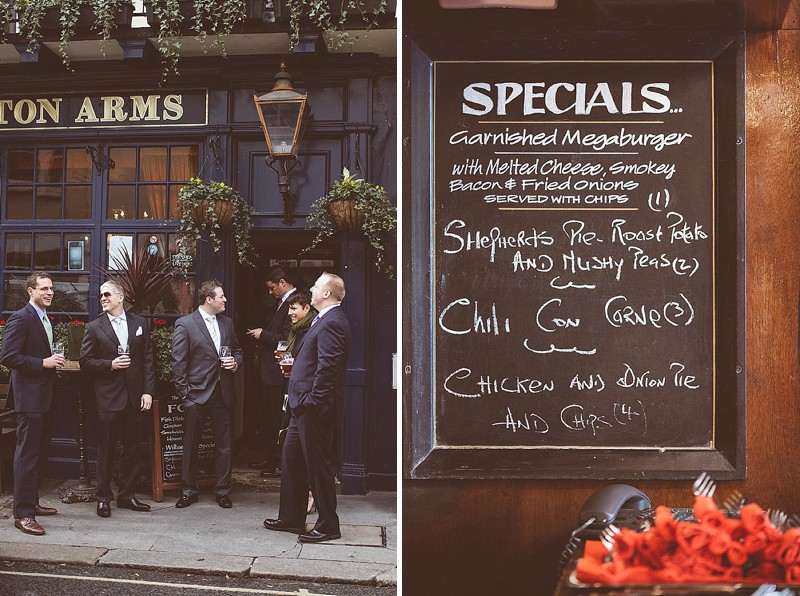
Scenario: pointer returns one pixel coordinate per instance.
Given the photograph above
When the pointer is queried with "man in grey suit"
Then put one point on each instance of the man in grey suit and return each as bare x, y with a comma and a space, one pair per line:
28, 352
316, 400
203, 378
281, 286
118, 353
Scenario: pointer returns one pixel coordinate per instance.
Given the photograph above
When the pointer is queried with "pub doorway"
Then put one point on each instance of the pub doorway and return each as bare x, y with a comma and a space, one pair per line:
255, 307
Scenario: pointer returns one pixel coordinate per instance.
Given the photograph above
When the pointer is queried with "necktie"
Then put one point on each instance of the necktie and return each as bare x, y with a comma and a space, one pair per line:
212, 329
315, 320
48, 329
121, 329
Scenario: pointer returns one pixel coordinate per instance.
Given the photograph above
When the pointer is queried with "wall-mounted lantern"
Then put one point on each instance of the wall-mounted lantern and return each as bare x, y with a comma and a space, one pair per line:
283, 113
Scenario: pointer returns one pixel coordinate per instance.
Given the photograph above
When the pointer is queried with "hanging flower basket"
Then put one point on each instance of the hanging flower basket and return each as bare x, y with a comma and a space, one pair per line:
346, 217
358, 208
222, 212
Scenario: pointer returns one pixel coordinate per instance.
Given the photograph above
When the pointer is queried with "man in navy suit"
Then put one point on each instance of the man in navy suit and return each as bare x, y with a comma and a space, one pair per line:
118, 353
28, 352
316, 399
204, 380
281, 287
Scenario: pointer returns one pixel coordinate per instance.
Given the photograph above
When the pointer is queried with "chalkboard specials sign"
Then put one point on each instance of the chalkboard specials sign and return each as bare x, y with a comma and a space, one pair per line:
582, 239
168, 448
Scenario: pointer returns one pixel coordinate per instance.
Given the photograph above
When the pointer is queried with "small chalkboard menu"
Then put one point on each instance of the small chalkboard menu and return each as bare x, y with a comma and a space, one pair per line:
168, 448
581, 254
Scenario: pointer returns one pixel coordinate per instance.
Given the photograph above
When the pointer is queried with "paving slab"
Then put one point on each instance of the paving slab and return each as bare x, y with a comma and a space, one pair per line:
177, 561
53, 553
318, 571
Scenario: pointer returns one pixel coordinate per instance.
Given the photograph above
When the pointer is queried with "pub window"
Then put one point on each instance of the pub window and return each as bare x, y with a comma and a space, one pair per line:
49, 183
65, 255
124, 247
144, 182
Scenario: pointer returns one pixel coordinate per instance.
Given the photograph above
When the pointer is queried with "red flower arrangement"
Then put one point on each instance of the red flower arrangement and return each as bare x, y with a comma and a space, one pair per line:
3, 323
158, 323
717, 549
76, 322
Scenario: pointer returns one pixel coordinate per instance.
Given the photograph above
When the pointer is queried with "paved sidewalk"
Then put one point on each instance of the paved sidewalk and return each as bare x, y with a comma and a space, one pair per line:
205, 538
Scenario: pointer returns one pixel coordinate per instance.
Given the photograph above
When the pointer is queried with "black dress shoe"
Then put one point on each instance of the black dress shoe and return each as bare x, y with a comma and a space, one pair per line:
317, 536
224, 501
103, 509
259, 465
281, 526
185, 501
133, 504
276, 473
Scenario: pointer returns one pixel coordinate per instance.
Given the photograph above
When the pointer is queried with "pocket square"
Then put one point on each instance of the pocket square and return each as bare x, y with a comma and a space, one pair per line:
139, 331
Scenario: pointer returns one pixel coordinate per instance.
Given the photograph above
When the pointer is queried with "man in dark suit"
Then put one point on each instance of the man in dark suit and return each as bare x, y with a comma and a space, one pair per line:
28, 352
118, 353
281, 287
203, 378
316, 399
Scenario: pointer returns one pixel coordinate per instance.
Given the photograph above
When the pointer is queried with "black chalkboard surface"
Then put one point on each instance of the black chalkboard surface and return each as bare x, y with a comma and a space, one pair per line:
584, 265
168, 448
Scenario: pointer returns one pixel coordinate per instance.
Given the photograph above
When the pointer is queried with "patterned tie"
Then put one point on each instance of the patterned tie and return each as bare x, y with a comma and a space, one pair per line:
315, 320
212, 329
121, 329
48, 329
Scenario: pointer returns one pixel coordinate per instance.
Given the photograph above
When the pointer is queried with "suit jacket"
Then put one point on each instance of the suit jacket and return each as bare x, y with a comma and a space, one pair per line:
25, 345
319, 372
195, 361
276, 330
115, 388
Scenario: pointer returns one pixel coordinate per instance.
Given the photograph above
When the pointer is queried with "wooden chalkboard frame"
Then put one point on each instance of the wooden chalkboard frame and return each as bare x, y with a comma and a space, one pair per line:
159, 484
422, 459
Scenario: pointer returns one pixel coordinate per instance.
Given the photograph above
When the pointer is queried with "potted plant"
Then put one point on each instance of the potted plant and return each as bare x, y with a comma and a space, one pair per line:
355, 206
147, 280
208, 206
75, 331
161, 336
102, 15
321, 15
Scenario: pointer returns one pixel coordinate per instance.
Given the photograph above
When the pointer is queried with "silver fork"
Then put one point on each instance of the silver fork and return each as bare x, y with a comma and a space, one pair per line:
777, 518
734, 502
607, 537
704, 485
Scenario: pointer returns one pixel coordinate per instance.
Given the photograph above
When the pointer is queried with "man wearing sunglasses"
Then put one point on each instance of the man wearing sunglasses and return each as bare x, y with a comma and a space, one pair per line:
118, 353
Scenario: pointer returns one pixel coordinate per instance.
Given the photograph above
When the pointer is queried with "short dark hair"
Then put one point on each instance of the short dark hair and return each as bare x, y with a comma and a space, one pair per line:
33, 279
208, 290
277, 273
301, 297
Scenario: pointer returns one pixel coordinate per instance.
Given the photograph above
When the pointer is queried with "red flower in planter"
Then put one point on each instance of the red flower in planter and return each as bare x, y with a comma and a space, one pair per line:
157, 323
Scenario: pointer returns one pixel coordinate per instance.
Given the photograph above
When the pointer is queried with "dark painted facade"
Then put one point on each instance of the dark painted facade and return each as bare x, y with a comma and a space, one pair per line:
60, 133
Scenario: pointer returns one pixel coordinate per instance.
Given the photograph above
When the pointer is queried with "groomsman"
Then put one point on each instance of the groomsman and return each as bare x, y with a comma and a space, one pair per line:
316, 400
28, 352
118, 353
204, 380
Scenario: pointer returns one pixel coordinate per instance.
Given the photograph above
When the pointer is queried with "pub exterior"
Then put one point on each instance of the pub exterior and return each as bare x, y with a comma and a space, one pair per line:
92, 157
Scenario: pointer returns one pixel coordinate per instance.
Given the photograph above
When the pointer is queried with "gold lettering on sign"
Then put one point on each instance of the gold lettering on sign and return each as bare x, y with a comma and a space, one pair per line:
4, 103
25, 111
51, 106
86, 113
113, 109
147, 110
173, 110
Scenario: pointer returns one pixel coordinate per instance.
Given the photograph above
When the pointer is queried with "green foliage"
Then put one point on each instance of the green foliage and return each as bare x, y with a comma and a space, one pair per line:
4, 371
197, 198
370, 199
161, 336
317, 14
31, 14
144, 280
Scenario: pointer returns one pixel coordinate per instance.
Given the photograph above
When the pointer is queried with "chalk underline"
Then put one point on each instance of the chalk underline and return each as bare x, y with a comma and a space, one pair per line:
565, 153
569, 122
568, 209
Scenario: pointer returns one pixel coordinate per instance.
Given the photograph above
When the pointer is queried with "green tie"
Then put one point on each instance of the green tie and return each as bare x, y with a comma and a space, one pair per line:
49, 329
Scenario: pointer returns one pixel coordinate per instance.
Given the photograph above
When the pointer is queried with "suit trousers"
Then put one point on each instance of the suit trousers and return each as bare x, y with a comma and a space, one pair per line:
274, 416
30, 459
306, 462
127, 426
195, 416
